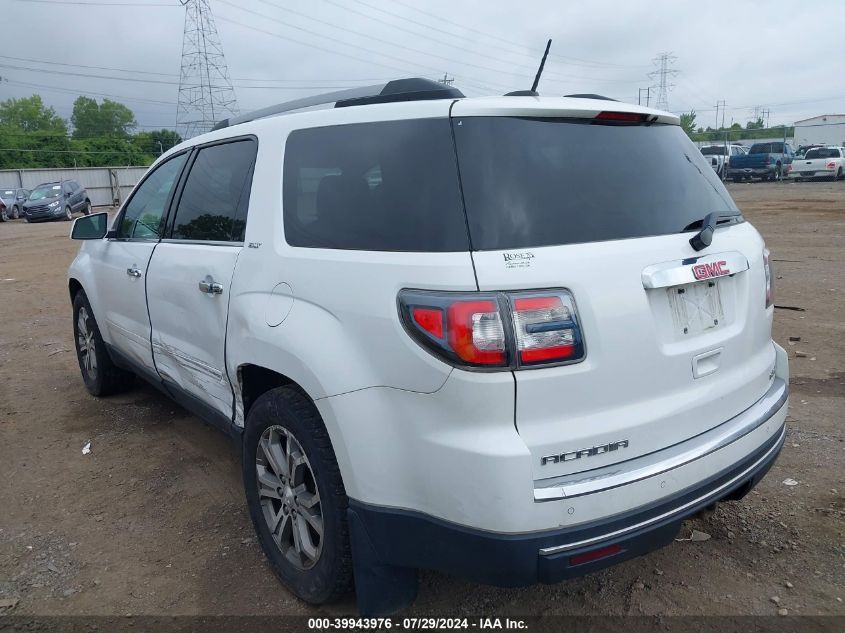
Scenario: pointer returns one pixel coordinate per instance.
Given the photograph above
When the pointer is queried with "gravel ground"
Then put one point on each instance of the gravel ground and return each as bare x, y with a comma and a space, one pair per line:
153, 521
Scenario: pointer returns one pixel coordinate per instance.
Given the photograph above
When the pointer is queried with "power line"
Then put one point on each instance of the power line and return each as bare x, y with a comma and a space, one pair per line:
442, 19
102, 4
363, 48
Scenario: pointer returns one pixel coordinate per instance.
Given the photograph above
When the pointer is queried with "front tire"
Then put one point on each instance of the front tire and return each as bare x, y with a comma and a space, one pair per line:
3, 215
296, 497
16, 213
101, 376
68, 214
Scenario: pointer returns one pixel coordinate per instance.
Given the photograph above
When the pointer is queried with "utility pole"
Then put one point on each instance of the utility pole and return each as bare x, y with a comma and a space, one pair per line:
765, 115
640, 95
664, 71
720, 104
446, 81
206, 94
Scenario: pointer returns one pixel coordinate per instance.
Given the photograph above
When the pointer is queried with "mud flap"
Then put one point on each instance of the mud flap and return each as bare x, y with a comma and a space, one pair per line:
380, 589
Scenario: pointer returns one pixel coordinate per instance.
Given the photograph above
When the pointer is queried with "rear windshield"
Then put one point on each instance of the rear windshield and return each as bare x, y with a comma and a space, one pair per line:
766, 148
823, 152
714, 150
387, 186
541, 182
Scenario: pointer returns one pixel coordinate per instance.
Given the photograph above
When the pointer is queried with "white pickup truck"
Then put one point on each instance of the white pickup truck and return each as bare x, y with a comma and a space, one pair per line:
821, 162
719, 156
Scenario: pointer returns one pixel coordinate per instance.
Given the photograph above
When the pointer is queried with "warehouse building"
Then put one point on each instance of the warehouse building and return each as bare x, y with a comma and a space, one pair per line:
825, 129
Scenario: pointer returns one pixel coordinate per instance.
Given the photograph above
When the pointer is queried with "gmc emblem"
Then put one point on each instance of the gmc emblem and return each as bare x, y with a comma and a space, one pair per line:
584, 452
706, 271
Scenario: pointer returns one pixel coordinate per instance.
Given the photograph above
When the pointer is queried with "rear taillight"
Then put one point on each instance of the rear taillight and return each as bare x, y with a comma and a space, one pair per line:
495, 330
770, 287
545, 328
831, 165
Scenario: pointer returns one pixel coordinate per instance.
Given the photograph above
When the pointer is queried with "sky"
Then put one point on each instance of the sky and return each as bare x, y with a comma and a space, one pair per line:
768, 55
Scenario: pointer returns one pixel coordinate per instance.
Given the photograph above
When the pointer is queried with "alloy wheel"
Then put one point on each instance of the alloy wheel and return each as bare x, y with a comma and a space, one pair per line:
289, 497
85, 343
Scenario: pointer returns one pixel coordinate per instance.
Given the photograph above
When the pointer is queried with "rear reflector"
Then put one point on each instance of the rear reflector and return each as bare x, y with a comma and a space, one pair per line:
628, 117
594, 555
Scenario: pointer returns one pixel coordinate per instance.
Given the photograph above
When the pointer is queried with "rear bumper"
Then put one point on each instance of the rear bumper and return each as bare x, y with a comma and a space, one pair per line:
748, 172
401, 538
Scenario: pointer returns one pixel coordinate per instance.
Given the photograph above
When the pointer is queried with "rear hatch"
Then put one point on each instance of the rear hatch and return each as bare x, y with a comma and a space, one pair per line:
605, 209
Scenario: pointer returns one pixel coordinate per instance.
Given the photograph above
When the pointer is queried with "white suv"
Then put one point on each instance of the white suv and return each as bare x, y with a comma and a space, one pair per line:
447, 336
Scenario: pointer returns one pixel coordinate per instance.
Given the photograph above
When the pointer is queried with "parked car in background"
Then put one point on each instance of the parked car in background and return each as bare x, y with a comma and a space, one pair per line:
719, 156
766, 161
11, 203
56, 201
546, 367
821, 162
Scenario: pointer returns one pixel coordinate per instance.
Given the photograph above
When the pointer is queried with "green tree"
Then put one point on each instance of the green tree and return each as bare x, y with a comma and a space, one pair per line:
688, 122
29, 114
108, 119
156, 142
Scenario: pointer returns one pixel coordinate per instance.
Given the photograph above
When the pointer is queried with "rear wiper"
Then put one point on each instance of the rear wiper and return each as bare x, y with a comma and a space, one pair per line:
704, 237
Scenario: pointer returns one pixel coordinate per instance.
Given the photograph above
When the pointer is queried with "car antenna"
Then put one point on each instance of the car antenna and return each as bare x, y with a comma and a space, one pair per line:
533, 92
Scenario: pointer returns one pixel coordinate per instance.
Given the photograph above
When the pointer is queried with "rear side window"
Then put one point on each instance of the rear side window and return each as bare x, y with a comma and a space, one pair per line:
542, 182
386, 186
213, 205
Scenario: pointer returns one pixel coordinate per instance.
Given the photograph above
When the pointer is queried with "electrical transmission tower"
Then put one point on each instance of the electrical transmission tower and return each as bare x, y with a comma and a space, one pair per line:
205, 88
663, 72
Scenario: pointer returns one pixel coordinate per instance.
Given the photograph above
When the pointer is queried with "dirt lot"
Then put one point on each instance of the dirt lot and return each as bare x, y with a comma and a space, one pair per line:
153, 521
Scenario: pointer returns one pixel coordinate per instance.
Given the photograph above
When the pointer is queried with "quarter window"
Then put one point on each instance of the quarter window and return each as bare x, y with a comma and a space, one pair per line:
386, 186
144, 212
213, 205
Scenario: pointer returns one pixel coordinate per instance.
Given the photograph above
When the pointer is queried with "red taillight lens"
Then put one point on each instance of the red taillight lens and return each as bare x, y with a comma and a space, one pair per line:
831, 165
430, 320
495, 330
545, 328
476, 333
770, 284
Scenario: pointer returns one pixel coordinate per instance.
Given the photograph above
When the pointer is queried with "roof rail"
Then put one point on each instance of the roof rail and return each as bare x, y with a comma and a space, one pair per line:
414, 89
590, 96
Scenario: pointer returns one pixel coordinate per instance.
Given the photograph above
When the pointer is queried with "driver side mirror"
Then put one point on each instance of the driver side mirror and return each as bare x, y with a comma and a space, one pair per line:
90, 227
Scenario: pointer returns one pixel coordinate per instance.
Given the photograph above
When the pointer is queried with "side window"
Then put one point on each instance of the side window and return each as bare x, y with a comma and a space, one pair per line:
386, 186
213, 205
144, 212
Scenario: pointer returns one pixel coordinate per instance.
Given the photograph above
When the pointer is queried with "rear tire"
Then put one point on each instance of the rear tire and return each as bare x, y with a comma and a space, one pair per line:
101, 376
316, 567
838, 174
16, 213
87, 209
3, 215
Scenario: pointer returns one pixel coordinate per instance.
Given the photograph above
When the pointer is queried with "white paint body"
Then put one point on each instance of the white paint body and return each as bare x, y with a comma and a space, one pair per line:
409, 430
820, 167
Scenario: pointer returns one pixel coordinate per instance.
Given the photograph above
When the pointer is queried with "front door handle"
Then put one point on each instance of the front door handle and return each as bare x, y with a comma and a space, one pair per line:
133, 272
211, 287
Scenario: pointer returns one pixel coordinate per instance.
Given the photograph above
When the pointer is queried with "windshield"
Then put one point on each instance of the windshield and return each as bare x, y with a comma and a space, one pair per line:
714, 150
8, 193
45, 191
822, 152
539, 182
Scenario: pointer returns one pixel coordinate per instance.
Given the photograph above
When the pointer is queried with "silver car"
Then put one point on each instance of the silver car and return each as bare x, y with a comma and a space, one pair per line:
12, 203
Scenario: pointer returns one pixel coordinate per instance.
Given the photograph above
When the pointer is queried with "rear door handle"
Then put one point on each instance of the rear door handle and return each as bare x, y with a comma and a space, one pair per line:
211, 287
133, 272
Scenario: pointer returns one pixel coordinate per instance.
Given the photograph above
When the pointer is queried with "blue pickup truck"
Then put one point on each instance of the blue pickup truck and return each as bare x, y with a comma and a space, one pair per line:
767, 161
